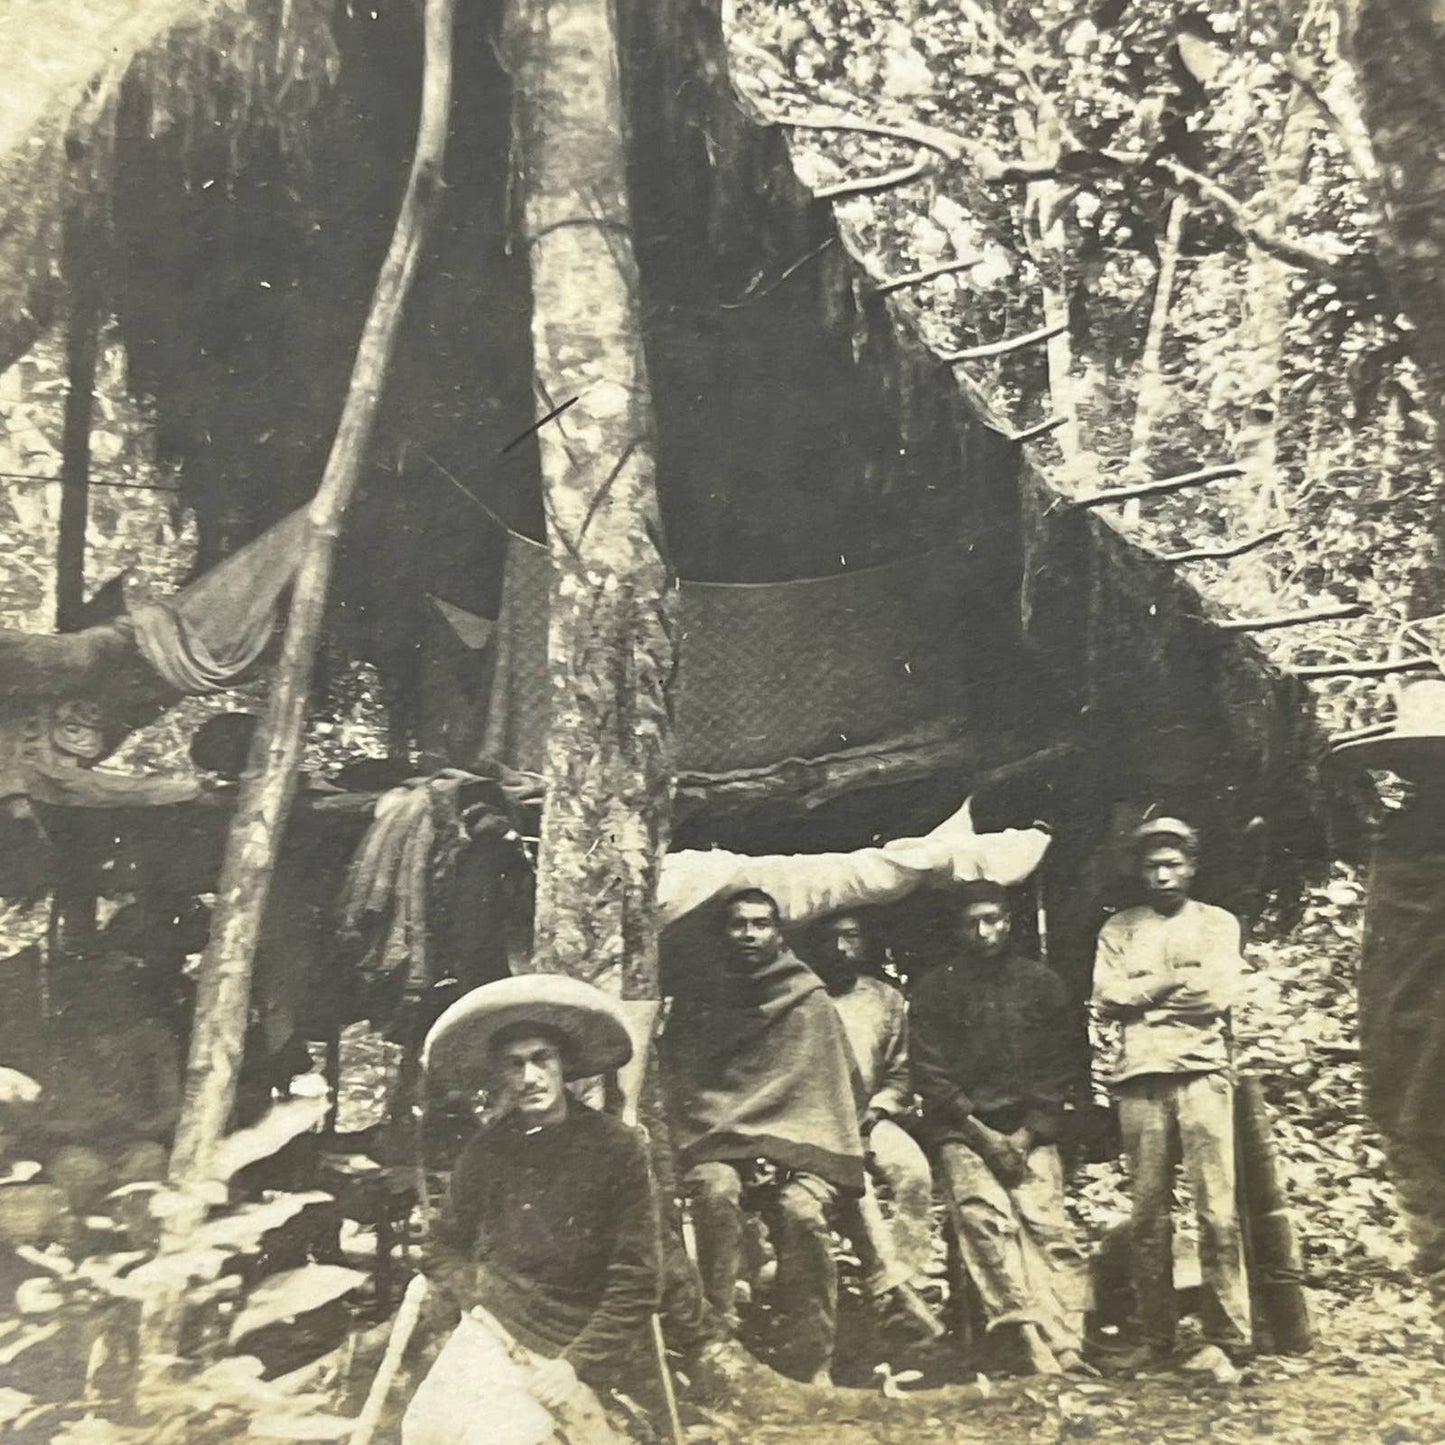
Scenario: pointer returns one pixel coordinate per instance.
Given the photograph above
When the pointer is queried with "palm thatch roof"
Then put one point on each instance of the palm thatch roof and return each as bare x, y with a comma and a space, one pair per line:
79, 70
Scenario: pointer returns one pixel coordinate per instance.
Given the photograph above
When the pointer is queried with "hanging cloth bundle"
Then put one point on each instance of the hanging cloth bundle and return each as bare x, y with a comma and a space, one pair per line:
416, 832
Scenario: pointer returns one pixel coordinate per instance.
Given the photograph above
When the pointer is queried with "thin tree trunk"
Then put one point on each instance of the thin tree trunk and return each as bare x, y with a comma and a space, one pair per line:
82, 350
1257, 503
224, 990
610, 648
1397, 48
1153, 385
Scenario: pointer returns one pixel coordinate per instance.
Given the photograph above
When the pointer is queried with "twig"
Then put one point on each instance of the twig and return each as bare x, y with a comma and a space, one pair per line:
1292, 619
401, 1333
1234, 549
931, 273
753, 294
1159, 488
1365, 669
867, 185
669, 1395
1006, 345
1349, 129
1296, 253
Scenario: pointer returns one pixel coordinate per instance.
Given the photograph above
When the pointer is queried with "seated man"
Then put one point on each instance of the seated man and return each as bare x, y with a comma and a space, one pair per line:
550, 1237
875, 1018
112, 1086
757, 1070
990, 1060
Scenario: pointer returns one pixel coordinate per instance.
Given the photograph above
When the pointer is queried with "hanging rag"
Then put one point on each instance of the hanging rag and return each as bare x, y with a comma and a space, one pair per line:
208, 636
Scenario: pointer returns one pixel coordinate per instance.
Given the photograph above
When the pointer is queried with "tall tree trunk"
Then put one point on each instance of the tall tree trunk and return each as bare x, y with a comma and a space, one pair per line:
223, 994
1397, 48
610, 648
1398, 51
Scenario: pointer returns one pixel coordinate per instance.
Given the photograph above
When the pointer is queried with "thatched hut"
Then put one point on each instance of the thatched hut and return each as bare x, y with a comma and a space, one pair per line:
228, 169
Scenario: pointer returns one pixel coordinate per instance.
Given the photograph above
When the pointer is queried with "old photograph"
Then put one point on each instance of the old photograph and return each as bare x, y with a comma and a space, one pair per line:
720, 721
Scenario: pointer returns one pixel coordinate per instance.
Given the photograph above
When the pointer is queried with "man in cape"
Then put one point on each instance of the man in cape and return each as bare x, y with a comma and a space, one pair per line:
763, 1097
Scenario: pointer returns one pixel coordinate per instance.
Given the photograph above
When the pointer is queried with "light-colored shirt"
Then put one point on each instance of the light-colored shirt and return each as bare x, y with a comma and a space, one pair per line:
875, 1018
1169, 981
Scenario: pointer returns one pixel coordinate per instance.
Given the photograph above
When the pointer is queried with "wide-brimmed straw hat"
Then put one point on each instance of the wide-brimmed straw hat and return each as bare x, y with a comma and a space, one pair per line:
458, 1046
1416, 743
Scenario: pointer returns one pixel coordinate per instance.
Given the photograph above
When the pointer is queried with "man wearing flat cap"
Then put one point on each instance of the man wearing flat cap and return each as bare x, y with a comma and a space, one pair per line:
1167, 973
990, 1037
550, 1235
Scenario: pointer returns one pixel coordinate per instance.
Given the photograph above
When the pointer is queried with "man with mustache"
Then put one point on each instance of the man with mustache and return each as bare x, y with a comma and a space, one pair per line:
549, 1243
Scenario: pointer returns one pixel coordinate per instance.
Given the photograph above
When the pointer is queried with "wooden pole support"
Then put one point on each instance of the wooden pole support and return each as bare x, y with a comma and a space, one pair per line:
1039, 429
1354, 735
1365, 669
1292, 619
1007, 344
930, 273
868, 185
1158, 489
1234, 549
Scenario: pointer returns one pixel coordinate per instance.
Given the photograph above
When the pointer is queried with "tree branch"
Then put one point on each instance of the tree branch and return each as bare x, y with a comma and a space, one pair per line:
1295, 253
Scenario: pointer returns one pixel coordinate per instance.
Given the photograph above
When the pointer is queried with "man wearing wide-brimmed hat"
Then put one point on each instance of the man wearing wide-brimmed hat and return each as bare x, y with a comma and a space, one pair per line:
1167, 972
550, 1235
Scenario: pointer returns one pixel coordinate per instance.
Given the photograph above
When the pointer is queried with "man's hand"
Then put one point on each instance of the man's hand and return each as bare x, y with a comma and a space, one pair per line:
17, 1088
1008, 1162
553, 1383
999, 1152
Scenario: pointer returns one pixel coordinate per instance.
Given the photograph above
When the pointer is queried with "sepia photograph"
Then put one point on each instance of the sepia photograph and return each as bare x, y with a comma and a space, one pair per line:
722, 722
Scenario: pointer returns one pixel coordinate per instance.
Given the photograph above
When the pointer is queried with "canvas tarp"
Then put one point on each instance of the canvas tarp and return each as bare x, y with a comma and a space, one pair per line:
768, 670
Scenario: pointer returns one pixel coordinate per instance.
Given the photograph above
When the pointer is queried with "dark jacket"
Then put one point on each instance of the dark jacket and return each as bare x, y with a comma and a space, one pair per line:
990, 1039
558, 1230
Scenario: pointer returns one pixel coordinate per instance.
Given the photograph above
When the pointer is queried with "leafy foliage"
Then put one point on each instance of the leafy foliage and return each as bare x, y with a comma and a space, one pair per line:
1278, 344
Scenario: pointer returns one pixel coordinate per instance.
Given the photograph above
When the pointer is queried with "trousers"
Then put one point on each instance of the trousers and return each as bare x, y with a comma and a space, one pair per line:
1190, 1117
896, 1251
1017, 1243
805, 1289
477, 1393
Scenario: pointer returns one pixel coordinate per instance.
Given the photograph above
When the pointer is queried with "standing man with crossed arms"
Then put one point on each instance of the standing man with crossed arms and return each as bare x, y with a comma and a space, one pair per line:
1167, 973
